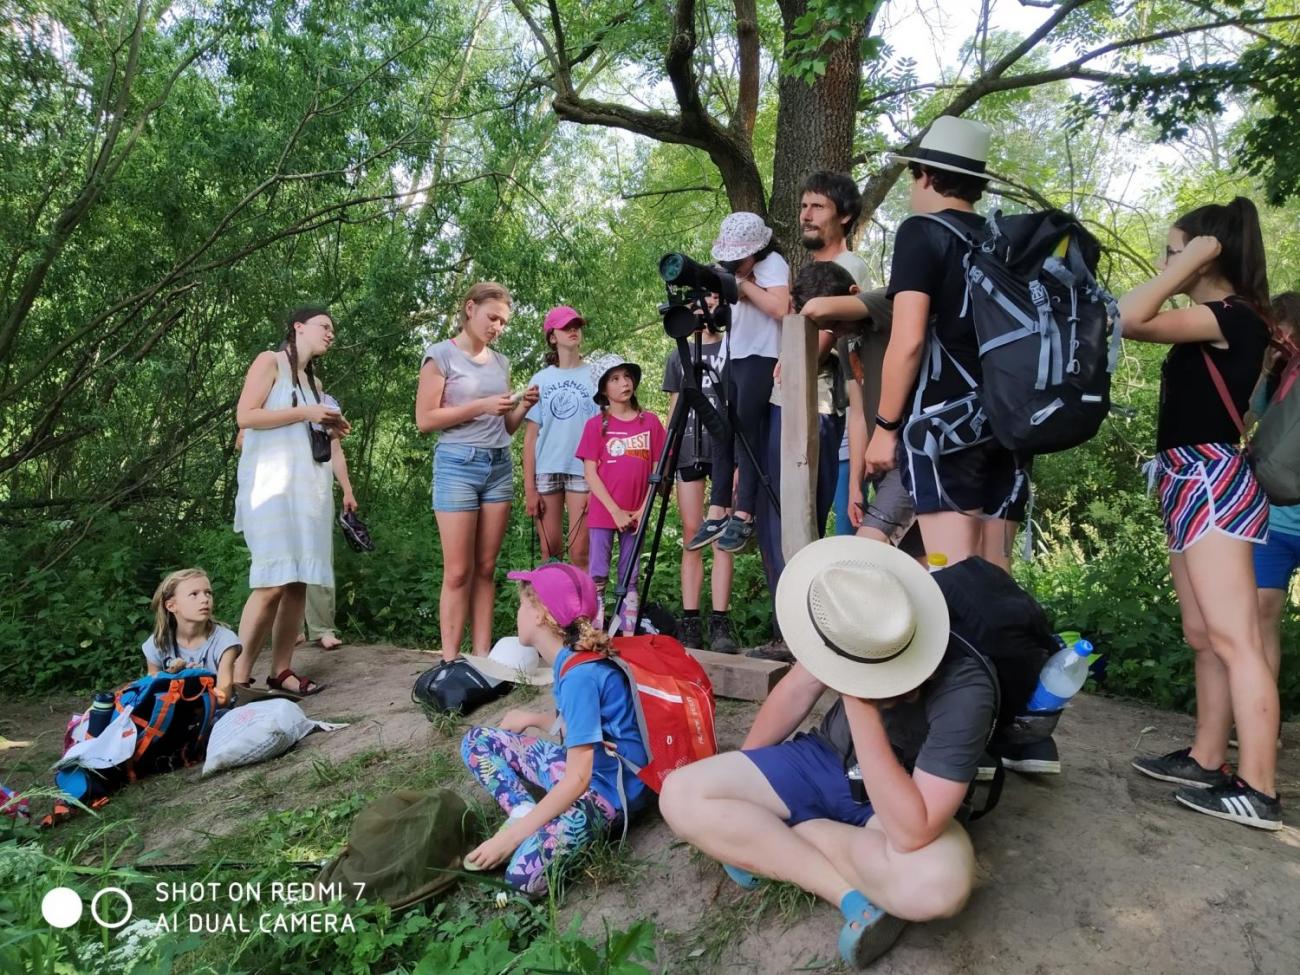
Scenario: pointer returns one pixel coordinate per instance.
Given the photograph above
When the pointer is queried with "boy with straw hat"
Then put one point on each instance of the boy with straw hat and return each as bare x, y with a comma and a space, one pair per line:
860, 811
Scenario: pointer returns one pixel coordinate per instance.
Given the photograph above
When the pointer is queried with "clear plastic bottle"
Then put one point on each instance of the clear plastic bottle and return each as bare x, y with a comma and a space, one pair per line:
1062, 676
937, 561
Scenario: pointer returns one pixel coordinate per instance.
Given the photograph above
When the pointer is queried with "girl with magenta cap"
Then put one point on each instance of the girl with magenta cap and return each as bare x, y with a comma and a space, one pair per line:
553, 476
557, 604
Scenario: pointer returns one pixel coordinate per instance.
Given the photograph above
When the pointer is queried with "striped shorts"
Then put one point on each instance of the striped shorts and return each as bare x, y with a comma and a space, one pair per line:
1209, 486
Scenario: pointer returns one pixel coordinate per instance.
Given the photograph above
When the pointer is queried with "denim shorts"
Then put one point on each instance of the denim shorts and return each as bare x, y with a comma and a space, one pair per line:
465, 478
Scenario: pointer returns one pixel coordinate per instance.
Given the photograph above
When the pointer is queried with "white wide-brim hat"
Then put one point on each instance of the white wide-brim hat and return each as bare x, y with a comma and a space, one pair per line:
959, 145
515, 662
741, 235
863, 617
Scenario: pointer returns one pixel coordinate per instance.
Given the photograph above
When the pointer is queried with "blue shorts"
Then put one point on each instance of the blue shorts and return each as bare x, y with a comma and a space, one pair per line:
1276, 560
809, 777
465, 478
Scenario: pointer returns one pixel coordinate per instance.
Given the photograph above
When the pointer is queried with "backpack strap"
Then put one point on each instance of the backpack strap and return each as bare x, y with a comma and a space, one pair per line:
1222, 388
587, 657
1000, 774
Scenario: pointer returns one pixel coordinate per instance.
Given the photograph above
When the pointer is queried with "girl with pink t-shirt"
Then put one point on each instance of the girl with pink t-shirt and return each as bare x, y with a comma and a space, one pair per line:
619, 450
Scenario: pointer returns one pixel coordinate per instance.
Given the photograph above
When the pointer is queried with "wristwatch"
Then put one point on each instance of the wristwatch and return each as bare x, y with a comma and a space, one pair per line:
890, 425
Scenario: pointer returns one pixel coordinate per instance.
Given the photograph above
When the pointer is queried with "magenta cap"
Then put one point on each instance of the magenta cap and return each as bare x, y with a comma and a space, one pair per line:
561, 317
565, 590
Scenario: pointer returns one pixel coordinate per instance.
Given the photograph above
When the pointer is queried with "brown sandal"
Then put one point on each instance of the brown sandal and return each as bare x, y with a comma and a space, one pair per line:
306, 686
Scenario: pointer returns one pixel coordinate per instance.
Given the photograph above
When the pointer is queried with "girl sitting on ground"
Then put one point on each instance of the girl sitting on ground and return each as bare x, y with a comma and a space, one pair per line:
186, 636
1214, 510
553, 476
619, 450
581, 781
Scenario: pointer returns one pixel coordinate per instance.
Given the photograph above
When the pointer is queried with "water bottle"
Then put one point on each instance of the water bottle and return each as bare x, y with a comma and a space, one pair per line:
937, 561
1062, 676
101, 713
631, 606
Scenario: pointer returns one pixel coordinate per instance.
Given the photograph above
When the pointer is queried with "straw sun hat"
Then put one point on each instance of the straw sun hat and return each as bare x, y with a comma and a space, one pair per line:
863, 618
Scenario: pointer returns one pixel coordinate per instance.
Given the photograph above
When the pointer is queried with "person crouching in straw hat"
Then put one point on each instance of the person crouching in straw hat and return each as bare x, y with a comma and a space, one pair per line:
859, 811
557, 603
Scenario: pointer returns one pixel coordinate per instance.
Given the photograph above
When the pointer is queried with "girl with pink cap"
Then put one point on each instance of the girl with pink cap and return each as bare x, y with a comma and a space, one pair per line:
553, 476
586, 793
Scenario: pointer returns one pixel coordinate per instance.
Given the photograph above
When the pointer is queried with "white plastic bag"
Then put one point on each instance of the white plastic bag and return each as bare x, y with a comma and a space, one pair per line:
255, 732
110, 748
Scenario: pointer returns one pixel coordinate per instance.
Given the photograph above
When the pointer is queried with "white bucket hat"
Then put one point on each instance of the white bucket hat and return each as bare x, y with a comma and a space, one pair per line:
862, 617
741, 235
515, 662
959, 145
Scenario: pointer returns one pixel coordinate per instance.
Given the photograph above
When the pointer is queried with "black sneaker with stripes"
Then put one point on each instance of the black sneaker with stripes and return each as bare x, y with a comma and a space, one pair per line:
1181, 768
1236, 801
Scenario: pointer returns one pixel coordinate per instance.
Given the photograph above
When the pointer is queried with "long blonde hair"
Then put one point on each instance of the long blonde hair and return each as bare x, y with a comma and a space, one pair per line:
582, 634
164, 627
479, 293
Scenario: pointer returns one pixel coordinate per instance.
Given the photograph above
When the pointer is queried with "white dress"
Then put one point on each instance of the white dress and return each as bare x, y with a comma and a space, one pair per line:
285, 505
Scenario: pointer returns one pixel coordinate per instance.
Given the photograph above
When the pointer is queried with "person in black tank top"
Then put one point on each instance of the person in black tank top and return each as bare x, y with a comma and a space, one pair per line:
1212, 505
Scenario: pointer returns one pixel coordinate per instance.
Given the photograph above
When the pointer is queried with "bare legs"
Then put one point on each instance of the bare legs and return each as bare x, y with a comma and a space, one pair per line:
471, 542
1215, 582
277, 611
551, 526
690, 503
725, 807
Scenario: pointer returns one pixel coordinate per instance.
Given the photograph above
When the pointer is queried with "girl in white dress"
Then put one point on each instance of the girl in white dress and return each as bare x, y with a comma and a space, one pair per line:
285, 505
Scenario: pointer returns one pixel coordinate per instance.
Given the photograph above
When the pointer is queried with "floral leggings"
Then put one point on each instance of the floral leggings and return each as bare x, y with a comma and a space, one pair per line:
506, 764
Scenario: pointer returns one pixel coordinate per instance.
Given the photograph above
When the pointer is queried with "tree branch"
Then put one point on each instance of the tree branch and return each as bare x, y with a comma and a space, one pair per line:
746, 113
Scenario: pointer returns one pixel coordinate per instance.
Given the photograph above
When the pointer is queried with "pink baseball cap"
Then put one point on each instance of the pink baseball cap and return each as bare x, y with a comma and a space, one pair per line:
561, 317
565, 590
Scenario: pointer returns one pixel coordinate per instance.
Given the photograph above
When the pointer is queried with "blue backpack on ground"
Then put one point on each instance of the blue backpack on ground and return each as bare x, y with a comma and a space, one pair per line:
173, 716
1048, 333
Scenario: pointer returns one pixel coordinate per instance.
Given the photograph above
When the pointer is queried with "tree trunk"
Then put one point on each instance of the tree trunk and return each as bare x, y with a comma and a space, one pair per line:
814, 128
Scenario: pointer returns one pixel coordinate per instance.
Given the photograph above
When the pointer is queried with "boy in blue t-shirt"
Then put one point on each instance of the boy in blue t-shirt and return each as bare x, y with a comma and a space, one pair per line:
557, 603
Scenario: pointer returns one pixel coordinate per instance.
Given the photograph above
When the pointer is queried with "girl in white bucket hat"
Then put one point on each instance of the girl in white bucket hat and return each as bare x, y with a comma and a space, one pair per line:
744, 247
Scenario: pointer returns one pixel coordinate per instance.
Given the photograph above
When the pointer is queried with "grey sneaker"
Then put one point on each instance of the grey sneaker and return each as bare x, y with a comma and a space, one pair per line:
722, 638
689, 632
737, 536
1180, 767
708, 533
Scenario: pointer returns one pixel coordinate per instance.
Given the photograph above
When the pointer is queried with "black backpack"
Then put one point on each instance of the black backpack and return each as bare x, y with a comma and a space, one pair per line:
1005, 629
456, 687
1048, 333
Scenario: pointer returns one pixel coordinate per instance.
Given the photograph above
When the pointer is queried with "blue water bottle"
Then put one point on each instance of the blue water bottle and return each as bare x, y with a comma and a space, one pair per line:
1062, 676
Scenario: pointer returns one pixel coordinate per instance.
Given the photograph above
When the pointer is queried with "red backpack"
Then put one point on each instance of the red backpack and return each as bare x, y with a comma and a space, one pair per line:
673, 701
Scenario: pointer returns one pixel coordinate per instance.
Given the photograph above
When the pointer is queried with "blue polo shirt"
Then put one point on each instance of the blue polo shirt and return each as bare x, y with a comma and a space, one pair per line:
596, 703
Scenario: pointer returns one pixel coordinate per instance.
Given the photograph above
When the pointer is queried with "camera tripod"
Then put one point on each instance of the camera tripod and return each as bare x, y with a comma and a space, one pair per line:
691, 398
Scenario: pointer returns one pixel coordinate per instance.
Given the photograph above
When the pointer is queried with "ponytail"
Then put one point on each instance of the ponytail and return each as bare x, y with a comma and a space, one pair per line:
584, 637
552, 355
1242, 260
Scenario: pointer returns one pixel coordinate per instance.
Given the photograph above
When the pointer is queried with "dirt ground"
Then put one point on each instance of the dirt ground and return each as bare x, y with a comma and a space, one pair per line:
1096, 870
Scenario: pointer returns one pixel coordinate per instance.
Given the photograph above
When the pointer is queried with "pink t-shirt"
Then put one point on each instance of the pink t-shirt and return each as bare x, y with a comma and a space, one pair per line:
625, 457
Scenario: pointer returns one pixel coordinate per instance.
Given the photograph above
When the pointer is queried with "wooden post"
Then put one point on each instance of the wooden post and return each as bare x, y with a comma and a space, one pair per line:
798, 434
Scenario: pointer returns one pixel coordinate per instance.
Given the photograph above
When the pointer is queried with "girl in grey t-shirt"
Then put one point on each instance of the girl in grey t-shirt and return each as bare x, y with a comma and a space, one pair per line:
185, 635
464, 394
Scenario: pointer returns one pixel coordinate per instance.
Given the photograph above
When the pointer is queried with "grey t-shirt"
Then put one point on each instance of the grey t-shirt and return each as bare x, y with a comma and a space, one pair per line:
206, 656
690, 452
942, 732
467, 380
